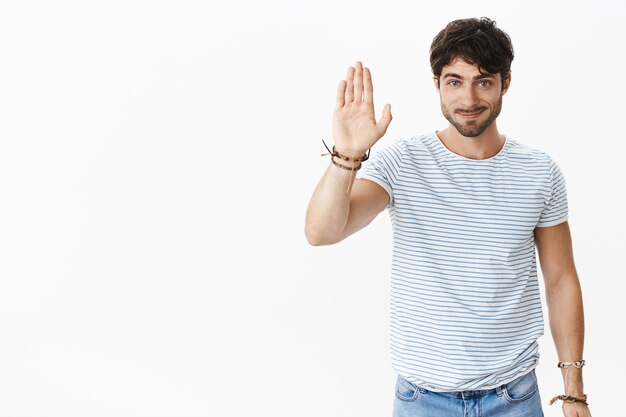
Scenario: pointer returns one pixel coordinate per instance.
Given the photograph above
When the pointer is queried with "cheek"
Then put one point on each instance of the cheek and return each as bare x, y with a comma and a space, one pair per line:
491, 97
449, 97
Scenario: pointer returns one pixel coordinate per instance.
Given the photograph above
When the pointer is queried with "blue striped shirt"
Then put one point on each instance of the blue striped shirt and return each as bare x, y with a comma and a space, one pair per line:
465, 308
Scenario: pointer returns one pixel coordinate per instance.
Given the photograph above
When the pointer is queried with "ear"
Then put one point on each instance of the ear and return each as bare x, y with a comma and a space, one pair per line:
506, 84
436, 82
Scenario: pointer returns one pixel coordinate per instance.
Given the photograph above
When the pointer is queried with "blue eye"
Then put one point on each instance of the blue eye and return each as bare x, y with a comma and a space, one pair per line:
485, 83
451, 82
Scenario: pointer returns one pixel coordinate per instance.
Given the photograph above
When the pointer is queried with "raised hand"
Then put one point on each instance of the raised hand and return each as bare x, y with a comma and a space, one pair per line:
354, 124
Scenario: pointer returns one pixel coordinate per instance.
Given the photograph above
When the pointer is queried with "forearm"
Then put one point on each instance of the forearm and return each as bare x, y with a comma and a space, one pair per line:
565, 308
329, 208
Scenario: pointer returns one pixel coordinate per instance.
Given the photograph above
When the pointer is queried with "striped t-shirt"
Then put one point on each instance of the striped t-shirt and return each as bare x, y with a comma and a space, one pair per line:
465, 303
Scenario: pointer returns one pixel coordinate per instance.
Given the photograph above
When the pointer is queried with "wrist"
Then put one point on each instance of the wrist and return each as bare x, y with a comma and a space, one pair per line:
351, 153
573, 383
350, 164
575, 390
347, 165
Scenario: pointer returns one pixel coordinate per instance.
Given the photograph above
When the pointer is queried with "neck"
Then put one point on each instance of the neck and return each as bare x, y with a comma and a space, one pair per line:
484, 146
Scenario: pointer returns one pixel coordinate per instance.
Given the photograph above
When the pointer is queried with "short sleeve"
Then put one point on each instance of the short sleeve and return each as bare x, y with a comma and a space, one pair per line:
556, 210
383, 167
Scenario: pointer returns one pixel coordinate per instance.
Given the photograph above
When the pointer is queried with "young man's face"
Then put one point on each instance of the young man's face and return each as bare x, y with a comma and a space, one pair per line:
469, 100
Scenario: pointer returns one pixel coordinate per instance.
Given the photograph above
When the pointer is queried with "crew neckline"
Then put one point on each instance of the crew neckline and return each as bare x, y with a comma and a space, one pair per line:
500, 152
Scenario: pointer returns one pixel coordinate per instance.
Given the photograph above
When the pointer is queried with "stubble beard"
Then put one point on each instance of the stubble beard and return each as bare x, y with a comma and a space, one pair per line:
470, 128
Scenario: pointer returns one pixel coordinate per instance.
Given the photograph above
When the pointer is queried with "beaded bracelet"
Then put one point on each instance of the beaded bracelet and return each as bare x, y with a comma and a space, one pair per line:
334, 154
356, 168
577, 364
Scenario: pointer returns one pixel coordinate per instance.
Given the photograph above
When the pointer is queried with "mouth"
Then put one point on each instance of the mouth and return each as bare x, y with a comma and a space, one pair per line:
470, 116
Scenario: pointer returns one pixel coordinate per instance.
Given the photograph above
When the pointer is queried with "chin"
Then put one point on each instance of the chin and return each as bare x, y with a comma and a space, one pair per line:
470, 131
470, 134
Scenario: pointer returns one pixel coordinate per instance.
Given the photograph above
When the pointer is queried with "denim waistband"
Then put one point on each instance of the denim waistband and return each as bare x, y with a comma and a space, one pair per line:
471, 394
476, 393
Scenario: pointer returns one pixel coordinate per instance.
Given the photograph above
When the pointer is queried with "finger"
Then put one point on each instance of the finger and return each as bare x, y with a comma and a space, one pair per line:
368, 95
341, 90
384, 121
358, 82
350, 85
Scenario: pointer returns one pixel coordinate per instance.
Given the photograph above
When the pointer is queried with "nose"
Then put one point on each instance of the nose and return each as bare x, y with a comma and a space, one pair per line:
469, 97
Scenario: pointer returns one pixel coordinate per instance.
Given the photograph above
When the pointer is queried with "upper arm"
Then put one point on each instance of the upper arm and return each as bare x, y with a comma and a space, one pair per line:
556, 257
367, 200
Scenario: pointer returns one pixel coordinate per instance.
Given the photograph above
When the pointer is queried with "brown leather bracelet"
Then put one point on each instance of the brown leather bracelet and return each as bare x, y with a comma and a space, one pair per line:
356, 168
570, 399
344, 157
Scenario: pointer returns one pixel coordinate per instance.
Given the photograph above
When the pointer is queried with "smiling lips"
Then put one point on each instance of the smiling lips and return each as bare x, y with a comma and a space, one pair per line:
470, 116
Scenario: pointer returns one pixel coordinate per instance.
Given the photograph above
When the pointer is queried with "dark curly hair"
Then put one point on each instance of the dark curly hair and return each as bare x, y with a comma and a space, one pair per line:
476, 41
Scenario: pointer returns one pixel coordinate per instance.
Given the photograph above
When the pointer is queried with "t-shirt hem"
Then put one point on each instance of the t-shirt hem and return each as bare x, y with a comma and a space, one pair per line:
382, 184
486, 387
553, 223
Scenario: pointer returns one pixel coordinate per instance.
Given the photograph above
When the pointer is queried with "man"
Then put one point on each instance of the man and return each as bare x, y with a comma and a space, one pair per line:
468, 205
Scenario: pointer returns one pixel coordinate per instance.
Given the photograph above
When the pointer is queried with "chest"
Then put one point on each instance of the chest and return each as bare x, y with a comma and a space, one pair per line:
492, 199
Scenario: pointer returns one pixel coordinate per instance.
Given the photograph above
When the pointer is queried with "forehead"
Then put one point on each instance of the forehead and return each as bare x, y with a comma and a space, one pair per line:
464, 69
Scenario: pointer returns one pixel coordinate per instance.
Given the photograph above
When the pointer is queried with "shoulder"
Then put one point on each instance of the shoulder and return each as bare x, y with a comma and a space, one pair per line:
529, 156
404, 146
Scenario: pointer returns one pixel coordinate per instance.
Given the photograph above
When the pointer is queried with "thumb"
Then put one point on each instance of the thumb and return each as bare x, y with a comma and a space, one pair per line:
385, 119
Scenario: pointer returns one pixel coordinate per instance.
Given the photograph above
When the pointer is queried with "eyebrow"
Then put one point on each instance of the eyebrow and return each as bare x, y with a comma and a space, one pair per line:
477, 77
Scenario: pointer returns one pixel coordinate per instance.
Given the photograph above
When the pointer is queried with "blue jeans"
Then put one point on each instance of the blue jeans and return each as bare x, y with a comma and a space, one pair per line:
518, 398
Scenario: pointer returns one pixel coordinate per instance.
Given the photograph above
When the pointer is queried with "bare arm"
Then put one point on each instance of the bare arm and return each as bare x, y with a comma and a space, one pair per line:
336, 211
565, 305
333, 215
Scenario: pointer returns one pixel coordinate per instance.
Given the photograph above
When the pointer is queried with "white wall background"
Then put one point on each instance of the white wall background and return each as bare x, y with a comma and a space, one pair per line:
156, 161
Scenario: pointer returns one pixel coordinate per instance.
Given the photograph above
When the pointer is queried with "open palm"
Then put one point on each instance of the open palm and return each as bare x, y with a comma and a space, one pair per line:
354, 124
